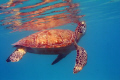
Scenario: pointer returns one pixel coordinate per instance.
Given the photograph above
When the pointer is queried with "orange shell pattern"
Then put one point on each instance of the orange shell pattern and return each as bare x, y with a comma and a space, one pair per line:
54, 38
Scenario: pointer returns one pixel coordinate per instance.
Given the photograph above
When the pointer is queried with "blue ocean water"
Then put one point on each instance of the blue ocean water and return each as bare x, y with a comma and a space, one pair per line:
101, 41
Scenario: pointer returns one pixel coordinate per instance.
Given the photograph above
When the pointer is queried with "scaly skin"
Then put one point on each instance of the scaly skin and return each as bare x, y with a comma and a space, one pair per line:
81, 59
17, 55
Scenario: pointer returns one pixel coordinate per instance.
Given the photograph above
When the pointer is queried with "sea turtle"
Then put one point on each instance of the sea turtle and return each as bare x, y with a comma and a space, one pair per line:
54, 41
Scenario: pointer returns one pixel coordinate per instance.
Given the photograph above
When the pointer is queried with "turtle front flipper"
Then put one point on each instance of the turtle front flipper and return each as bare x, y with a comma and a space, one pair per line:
16, 55
81, 59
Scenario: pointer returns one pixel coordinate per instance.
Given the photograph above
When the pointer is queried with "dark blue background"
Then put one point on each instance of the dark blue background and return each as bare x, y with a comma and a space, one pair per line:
101, 41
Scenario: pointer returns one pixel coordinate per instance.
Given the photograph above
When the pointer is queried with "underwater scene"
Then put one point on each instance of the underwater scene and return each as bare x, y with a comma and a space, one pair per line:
60, 40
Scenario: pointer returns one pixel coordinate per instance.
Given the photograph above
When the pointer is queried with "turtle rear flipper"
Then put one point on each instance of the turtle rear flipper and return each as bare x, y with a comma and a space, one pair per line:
59, 57
81, 59
16, 55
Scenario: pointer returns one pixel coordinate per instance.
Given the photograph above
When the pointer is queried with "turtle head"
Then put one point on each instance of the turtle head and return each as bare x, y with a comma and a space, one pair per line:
80, 30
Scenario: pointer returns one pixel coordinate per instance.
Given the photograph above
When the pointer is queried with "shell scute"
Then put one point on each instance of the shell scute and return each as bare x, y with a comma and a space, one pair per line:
54, 38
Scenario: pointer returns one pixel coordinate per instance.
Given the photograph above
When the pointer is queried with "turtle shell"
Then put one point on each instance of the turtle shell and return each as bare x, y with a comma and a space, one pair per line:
54, 38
